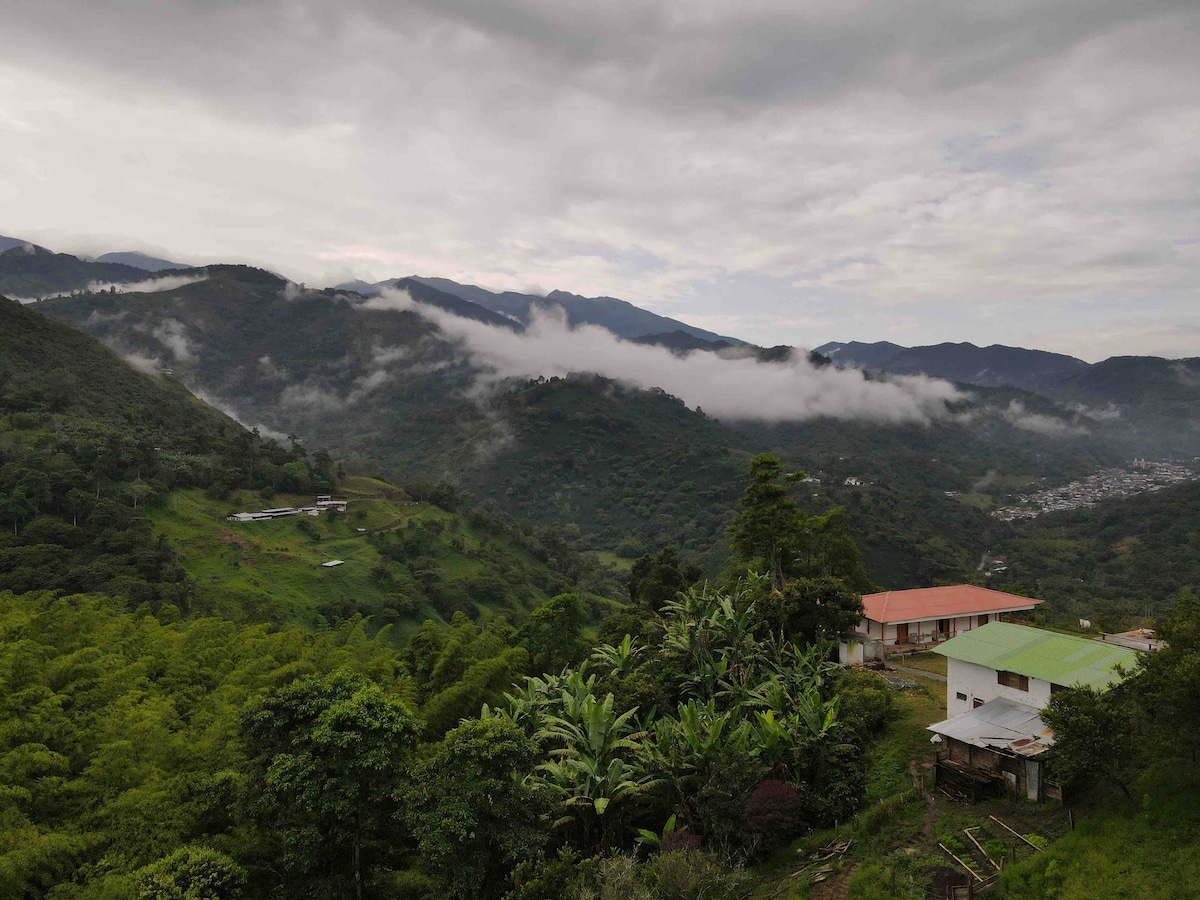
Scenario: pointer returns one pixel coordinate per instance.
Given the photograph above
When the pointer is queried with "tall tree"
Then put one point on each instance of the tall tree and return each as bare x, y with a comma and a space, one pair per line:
656, 579
1094, 735
769, 526
328, 755
471, 811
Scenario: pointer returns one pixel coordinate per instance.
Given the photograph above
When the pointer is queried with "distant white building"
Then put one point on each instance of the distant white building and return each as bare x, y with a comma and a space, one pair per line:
324, 503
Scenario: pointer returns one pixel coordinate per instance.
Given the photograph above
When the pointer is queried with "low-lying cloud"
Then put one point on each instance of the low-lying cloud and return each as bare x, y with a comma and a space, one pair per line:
1019, 417
172, 334
731, 389
149, 286
147, 365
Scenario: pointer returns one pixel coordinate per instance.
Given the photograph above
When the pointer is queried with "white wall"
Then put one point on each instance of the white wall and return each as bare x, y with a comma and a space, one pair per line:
920, 632
979, 683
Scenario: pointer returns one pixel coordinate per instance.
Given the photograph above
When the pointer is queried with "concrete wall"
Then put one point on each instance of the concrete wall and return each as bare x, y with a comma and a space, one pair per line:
979, 683
924, 631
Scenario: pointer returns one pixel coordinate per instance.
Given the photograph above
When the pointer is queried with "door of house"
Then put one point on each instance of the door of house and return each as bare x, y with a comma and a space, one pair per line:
902, 633
943, 629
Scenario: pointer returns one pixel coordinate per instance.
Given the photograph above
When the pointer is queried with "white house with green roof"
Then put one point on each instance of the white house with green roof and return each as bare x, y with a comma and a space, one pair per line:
999, 678
1025, 665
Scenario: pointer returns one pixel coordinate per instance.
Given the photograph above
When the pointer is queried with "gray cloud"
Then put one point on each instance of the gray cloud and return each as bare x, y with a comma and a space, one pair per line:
728, 388
147, 365
1018, 172
172, 334
1019, 417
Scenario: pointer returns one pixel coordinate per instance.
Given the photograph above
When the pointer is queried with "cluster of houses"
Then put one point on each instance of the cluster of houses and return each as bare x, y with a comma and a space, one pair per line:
325, 503
1000, 675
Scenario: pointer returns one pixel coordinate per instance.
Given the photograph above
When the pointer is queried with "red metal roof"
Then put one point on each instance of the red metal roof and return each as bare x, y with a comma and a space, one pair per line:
940, 603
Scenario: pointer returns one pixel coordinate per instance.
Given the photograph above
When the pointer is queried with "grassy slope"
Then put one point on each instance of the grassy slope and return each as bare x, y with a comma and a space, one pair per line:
895, 852
1142, 850
233, 561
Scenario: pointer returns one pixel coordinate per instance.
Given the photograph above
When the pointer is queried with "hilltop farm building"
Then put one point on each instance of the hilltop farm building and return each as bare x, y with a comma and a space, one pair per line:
999, 678
325, 503
900, 621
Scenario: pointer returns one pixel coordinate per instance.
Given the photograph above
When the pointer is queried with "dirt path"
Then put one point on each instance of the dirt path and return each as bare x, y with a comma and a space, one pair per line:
931, 808
837, 887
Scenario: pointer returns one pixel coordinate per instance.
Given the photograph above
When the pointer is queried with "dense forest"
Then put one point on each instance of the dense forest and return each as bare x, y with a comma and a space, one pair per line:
154, 750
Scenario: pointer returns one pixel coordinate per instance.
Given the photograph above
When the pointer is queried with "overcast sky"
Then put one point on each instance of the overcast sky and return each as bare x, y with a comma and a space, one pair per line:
786, 172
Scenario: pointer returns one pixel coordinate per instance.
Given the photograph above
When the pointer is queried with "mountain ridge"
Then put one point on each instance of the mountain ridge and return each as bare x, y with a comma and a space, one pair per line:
621, 317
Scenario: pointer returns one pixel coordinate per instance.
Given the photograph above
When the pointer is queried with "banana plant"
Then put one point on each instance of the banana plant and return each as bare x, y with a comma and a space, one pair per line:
595, 766
617, 660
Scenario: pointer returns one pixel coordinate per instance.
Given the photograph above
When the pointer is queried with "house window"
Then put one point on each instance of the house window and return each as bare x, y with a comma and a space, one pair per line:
959, 695
1056, 688
983, 619
977, 703
1013, 680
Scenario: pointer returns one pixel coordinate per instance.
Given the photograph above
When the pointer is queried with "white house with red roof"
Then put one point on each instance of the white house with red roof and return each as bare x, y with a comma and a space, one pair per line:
924, 617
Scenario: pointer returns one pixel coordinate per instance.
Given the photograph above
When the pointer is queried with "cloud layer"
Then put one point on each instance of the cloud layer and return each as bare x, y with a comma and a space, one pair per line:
1020, 172
731, 388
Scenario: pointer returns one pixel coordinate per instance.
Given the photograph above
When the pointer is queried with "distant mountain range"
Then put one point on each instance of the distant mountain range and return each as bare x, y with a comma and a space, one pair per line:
1030, 370
1150, 405
618, 316
1155, 400
386, 387
141, 261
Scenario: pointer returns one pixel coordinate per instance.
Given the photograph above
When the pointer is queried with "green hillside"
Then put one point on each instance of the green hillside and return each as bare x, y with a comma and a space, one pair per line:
88, 445
119, 482
403, 563
614, 469
37, 272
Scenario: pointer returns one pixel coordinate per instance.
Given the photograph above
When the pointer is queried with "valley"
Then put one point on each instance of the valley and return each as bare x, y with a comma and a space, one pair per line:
505, 579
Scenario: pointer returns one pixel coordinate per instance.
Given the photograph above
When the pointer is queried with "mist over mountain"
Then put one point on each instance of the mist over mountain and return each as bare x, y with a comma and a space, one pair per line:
1153, 403
633, 443
28, 271
618, 316
8, 243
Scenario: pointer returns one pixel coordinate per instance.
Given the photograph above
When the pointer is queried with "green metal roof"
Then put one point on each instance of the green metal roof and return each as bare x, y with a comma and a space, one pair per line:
1058, 658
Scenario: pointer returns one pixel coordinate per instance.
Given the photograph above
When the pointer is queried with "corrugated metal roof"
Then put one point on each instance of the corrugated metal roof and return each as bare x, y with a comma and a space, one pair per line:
940, 603
1057, 658
1001, 724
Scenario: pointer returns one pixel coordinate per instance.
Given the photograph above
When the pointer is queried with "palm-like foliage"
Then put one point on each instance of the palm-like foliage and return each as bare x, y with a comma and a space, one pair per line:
617, 660
596, 764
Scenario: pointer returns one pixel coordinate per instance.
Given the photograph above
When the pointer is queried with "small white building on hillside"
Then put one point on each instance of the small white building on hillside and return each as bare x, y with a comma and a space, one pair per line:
999, 678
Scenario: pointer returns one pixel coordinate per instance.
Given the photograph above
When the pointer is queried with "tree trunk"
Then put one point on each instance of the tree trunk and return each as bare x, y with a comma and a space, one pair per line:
358, 864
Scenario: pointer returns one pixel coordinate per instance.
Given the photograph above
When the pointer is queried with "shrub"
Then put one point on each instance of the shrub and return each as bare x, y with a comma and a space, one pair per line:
192, 873
774, 813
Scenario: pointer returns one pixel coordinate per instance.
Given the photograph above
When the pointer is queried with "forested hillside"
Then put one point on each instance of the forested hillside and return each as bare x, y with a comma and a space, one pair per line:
120, 482
28, 271
615, 469
87, 444
183, 717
